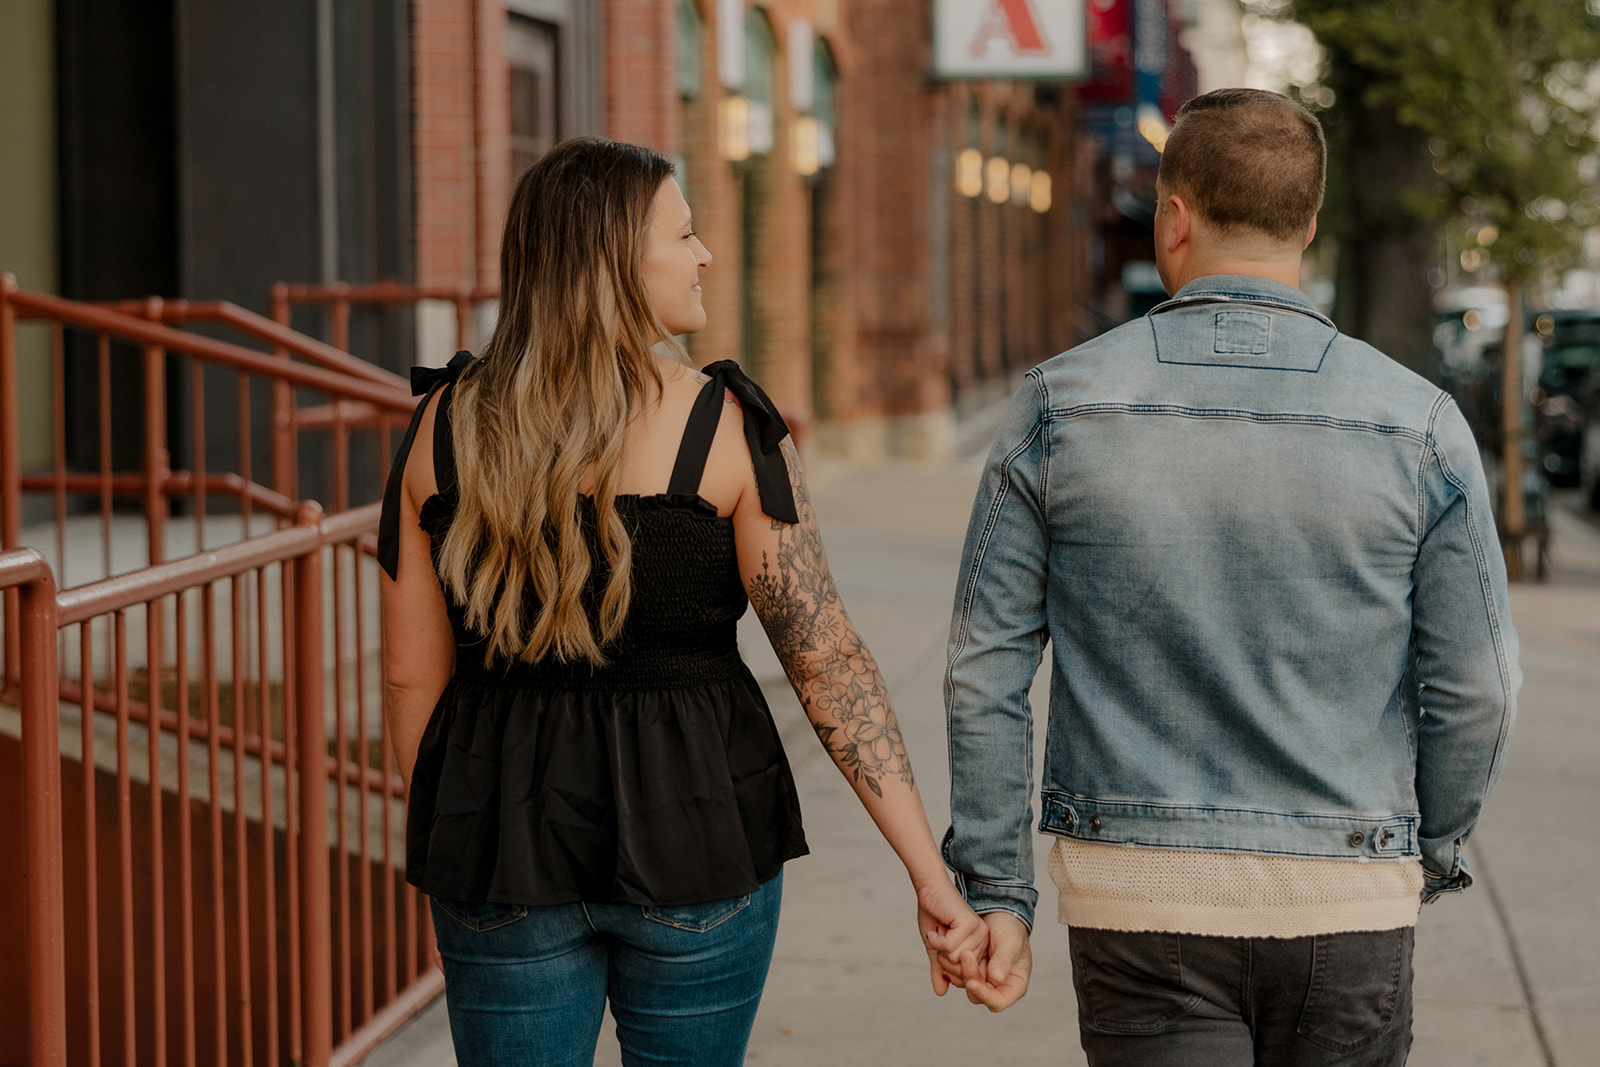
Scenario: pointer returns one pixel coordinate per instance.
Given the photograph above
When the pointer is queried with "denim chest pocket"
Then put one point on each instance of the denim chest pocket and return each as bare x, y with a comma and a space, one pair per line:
482, 917
696, 918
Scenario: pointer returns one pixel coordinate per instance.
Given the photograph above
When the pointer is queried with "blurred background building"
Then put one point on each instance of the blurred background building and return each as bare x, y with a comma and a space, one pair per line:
894, 242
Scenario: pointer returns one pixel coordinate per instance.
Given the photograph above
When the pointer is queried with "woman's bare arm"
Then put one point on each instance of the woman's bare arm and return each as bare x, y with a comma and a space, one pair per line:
418, 645
786, 575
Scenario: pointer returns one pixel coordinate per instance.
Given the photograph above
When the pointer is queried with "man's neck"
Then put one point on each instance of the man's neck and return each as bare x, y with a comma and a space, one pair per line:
1275, 268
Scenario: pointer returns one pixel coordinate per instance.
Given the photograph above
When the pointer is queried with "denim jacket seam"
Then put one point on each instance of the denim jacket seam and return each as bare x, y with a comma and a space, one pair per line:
980, 551
1486, 586
1237, 415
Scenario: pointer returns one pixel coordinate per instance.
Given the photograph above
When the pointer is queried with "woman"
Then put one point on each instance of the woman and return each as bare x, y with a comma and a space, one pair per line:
599, 804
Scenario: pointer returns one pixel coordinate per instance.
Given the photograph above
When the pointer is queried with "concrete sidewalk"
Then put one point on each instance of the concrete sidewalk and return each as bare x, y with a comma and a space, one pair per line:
1508, 973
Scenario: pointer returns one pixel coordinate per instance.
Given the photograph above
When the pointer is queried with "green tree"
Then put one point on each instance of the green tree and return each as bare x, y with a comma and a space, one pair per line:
1451, 111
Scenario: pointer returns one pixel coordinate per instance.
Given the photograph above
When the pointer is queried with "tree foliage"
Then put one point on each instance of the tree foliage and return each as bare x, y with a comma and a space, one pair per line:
1505, 94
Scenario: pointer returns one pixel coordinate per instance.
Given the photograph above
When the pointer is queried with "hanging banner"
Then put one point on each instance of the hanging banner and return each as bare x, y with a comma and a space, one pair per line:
1037, 39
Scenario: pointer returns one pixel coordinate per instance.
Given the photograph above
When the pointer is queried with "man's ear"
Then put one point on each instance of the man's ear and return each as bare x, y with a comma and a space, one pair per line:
1311, 233
1180, 230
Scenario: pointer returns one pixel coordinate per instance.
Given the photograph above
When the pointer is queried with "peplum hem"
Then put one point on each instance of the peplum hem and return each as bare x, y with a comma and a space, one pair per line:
670, 796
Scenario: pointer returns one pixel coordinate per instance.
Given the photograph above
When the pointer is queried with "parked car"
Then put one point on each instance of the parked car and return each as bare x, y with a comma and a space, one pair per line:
1588, 405
1571, 352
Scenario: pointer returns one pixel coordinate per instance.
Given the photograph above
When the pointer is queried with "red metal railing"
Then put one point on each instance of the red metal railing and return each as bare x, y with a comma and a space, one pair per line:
230, 841
26, 572
341, 298
254, 909
156, 358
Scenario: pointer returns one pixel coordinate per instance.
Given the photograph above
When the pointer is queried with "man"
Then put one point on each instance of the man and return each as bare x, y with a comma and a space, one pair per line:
1283, 668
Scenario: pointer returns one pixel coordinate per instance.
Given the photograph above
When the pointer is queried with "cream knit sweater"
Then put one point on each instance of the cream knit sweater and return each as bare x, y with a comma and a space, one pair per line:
1221, 894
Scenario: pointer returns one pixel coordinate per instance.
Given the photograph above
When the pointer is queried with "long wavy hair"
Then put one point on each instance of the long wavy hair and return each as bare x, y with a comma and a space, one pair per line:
547, 402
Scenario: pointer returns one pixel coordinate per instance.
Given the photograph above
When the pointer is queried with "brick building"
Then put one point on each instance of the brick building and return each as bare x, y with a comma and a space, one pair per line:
852, 275
890, 248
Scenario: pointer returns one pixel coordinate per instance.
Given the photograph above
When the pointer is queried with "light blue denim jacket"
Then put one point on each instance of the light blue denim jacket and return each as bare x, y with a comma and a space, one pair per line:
1263, 557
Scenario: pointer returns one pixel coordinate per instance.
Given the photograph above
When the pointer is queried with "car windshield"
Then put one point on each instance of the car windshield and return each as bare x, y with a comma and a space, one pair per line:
1565, 365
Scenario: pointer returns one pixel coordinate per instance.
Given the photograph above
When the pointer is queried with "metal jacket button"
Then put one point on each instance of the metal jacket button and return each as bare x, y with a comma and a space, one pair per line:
1094, 823
1356, 838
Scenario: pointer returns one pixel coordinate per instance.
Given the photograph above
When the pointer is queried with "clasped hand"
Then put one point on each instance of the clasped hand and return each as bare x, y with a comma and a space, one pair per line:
988, 956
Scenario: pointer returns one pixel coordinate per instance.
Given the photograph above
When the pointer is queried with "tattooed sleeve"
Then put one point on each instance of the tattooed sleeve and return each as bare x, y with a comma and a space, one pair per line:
834, 675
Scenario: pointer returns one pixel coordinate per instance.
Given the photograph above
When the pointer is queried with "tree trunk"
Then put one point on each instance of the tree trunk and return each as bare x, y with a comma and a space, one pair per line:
1513, 505
1385, 251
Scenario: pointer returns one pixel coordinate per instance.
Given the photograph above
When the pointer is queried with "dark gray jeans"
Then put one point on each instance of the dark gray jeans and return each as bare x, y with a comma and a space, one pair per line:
1181, 1000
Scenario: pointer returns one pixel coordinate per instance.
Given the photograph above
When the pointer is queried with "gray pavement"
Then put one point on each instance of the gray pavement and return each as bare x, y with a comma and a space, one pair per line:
1508, 973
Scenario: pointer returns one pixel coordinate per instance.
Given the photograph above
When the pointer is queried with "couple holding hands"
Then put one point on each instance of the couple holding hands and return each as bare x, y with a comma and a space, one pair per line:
1283, 670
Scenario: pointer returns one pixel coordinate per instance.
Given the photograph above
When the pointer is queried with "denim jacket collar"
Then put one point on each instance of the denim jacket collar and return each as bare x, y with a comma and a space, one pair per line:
1242, 288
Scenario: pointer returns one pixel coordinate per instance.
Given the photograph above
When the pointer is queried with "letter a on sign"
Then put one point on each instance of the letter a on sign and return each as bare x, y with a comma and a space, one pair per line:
1016, 22
1041, 39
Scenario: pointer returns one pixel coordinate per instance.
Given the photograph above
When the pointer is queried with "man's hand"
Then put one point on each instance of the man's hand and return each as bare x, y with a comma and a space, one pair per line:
951, 932
1003, 979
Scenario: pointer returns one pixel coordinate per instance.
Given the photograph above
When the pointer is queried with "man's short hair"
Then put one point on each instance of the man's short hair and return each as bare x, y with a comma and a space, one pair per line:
1247, 158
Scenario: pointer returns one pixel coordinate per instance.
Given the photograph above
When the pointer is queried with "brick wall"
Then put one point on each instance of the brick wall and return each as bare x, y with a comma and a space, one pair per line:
846, 311
461, 131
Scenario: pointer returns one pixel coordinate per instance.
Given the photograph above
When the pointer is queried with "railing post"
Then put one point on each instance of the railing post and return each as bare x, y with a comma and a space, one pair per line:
10, 463
157, 460
41, 791
283, 462
316, 925
463, 319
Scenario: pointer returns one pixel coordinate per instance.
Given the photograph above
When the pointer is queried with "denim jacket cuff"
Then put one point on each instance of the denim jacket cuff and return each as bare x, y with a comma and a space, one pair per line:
1435, 886
983, 896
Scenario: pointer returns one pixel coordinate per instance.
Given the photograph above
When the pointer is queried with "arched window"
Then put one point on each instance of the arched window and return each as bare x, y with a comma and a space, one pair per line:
825, 106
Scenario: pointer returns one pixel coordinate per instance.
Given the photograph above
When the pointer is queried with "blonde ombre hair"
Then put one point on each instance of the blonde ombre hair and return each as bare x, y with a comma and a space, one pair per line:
547, 402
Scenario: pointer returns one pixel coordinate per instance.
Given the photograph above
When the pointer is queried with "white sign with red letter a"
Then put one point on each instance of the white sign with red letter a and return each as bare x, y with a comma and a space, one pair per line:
1009, 39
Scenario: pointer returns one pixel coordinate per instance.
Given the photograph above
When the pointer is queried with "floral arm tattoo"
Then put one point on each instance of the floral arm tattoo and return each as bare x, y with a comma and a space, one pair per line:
832, 672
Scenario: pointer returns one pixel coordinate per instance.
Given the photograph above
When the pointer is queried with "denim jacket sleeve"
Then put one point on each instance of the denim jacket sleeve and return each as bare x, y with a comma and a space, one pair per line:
997, 636
1465, 649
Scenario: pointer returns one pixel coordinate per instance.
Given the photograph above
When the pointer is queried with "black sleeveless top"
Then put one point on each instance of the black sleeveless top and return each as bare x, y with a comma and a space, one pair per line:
658, 778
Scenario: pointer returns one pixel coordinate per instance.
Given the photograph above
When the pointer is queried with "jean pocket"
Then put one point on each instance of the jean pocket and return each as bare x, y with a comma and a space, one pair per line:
1360, 984
482, 917
696, 918
1129, 983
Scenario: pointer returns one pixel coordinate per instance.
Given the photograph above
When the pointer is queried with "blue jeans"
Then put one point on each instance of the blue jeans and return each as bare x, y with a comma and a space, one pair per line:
528, 985
1181, 1000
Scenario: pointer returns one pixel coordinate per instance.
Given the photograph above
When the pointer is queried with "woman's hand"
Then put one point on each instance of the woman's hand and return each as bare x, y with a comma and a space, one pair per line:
955, 938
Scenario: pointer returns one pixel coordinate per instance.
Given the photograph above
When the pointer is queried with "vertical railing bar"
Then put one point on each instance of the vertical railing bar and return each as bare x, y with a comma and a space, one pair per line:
219, 932
463, 319
268, 832
158, 912
180, 667
410, 971
130, 1049
315, 915
283, 418
241, 826
58, 443
391, 983
341, 806
246, 457
10, 473
341, 323
198, 466
91, 853
103, 353
362, 761
46, 963
157, 462
291, 814
341, 457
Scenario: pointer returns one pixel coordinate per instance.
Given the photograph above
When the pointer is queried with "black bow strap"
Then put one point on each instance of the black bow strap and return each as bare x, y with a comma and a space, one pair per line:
764, 431
424, 382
